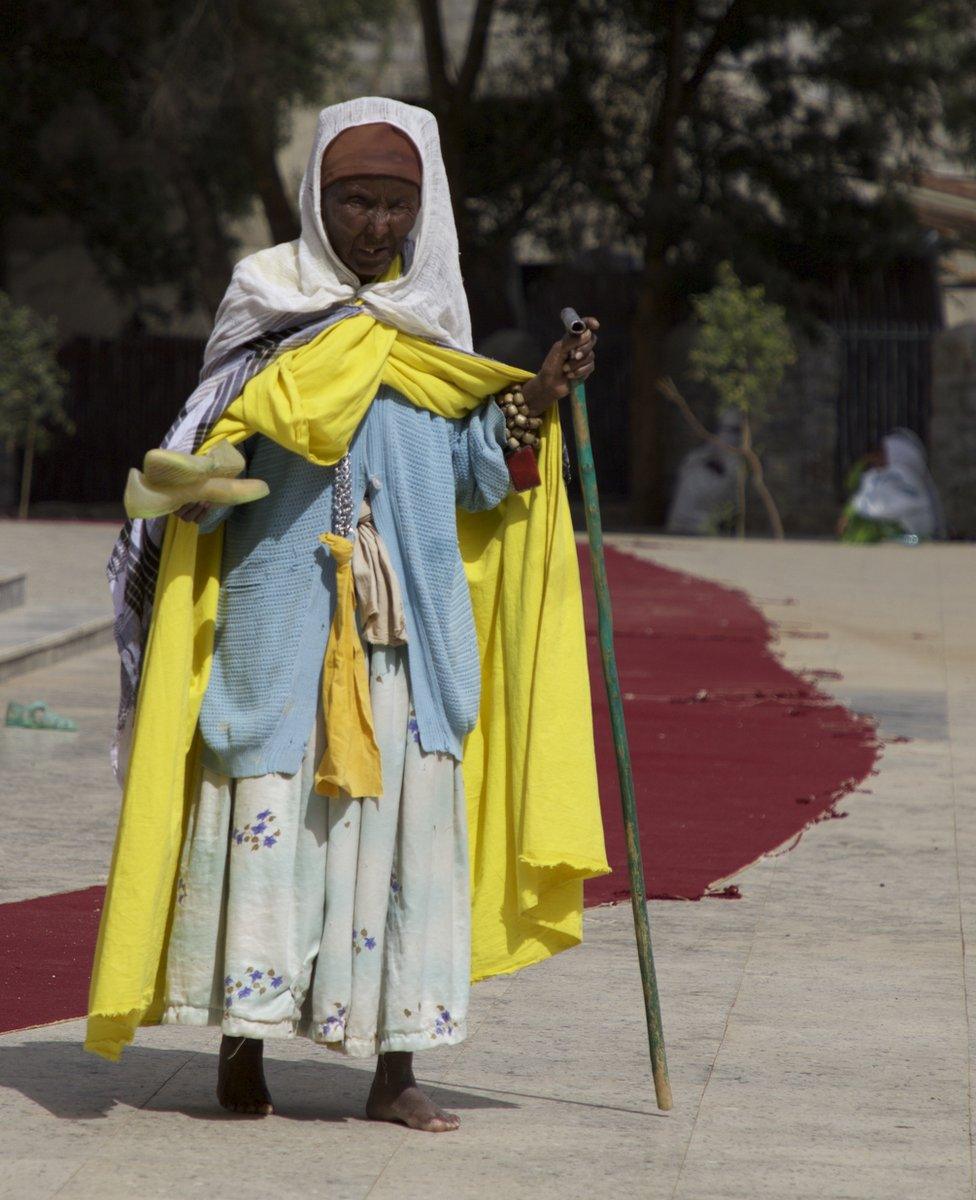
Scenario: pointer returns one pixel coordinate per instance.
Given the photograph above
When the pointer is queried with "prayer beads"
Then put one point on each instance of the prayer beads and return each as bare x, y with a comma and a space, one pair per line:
520, 425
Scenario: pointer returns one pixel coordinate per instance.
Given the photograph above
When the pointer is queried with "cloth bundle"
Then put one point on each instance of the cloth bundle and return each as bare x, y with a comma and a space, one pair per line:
378, 596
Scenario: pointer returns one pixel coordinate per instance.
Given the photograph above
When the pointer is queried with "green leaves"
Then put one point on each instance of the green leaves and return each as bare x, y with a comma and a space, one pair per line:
147, 128
743, 346
31, 381
742, 124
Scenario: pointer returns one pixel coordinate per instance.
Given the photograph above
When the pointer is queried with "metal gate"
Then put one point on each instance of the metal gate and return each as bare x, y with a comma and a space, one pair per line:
123, 395
885, 321
886, 381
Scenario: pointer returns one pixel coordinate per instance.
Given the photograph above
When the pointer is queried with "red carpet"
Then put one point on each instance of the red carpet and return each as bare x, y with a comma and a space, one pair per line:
46, 950
733, 755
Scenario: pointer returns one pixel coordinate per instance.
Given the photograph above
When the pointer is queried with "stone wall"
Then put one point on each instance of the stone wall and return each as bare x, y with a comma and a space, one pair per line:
799, 440
952, 432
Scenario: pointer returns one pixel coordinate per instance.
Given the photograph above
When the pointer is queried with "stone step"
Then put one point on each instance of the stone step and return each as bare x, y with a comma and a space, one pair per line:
13, 590
38, 635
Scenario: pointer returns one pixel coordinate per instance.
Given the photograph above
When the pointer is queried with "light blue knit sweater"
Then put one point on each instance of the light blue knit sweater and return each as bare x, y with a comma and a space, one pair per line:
278, 581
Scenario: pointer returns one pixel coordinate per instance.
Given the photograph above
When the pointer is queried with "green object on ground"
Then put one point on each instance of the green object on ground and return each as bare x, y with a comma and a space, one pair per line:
865, 530
37, 716
861, 531
638, 889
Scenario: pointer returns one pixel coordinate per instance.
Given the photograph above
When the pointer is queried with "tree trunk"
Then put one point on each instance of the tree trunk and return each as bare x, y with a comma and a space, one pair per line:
450, 122
27, 472
211, 253
746, 443
655, 304
255, 104
4, 257
652, 323
259, 147
451, 100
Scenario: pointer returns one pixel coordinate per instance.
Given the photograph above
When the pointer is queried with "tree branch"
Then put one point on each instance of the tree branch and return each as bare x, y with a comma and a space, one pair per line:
721, 35
474, 56
440, 85
669, 390
664, 127
671, 93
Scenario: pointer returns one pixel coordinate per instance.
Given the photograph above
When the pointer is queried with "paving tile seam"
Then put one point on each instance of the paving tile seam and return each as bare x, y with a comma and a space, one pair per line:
74, 1174
395, 1150
959, 891
463, 1047
121, 1124
725, 1028
183, 1065
447, 1076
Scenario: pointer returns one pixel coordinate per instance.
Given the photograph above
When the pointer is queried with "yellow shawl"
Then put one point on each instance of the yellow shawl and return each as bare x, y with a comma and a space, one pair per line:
529, 766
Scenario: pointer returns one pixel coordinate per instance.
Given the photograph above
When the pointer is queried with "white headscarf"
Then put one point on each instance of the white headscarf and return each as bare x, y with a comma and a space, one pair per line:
904, 449
903, 490
905, 453
284, 284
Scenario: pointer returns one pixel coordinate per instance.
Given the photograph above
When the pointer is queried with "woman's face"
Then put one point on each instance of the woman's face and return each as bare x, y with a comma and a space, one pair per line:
367, 219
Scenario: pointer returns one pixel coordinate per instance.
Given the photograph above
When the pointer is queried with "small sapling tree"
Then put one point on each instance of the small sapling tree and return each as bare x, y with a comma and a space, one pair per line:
32, 387
742, 349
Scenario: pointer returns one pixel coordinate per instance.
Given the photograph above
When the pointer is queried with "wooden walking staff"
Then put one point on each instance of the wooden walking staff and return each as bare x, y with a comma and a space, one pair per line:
638, 892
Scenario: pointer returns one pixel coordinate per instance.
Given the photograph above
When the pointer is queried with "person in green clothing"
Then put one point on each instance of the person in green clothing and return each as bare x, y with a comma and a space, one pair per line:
893, 496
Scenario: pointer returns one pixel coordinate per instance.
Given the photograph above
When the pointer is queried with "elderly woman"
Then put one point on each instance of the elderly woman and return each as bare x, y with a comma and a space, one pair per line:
304, 904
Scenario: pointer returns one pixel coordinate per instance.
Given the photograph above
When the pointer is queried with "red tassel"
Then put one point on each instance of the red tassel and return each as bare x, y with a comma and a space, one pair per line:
523, 468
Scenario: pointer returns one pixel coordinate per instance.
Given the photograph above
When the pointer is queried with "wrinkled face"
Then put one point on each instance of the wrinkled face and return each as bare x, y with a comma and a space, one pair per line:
367, 219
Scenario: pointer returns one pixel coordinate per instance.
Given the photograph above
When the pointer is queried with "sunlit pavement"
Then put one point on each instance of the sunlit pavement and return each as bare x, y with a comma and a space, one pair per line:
817, 1029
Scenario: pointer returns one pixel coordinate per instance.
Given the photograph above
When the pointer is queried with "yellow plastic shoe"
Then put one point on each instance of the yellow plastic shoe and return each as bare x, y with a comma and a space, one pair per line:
166, 468
172, 479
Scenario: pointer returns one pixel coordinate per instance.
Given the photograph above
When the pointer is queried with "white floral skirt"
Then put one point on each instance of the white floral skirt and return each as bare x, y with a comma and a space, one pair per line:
348, 921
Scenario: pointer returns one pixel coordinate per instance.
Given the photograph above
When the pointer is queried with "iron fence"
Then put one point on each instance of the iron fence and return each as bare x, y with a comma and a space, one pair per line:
886, 381
122, 396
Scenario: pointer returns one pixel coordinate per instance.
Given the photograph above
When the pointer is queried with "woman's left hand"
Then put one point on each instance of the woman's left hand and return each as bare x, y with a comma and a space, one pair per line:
571, 358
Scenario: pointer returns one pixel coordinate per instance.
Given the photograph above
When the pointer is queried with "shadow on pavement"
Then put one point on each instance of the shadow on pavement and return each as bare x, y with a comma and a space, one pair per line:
76, 1086
915, 715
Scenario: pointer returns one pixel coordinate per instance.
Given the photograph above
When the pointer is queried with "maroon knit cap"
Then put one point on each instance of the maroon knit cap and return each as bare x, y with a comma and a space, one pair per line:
375, 149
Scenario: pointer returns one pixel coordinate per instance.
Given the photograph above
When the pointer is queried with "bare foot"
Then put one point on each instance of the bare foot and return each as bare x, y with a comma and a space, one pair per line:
395, 1096
240, 1077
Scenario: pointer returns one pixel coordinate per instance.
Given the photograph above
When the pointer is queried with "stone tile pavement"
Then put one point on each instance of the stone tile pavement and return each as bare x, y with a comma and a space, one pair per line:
819, 1029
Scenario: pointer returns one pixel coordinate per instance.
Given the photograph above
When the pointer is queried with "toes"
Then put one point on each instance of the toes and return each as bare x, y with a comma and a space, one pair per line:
443, 1125
440, 1123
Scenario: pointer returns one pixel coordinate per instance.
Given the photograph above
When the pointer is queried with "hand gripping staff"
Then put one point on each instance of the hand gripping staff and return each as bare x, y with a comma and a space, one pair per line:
594, 529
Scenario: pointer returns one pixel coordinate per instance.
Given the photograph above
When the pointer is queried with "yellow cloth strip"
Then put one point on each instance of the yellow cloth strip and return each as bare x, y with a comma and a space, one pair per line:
529, 765
351, 762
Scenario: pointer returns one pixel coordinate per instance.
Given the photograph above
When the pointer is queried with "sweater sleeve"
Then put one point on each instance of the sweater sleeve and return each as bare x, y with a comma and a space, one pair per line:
481, 478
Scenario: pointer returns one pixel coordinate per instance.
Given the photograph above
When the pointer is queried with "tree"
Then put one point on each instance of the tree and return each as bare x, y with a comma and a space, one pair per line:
507, 145
147, 126
742, 349
774, 133
31, 387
